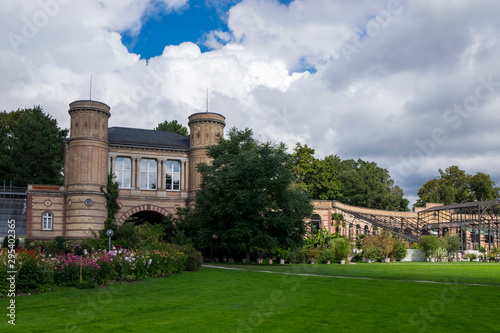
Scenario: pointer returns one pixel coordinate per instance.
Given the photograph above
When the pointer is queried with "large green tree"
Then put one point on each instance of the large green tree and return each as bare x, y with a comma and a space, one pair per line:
357, 183
246, 198
365, 184
30, 147
172, 126
316, 177
456, 186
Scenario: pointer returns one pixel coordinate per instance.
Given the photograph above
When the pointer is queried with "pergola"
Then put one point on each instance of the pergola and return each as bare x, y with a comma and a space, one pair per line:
478, 218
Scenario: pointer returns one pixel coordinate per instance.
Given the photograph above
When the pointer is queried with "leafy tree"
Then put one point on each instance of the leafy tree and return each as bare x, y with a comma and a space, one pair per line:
452, 244
317, 177
172, 126
30, 147
455, 186
342, 248
358, 183
482, 187
245, 198
365, 184
430, 244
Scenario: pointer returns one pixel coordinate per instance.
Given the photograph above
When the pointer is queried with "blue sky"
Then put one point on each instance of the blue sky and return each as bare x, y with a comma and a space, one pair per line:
189, 24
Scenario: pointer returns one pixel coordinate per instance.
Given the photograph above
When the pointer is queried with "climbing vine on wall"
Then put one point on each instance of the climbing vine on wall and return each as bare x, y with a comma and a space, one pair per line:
111, 194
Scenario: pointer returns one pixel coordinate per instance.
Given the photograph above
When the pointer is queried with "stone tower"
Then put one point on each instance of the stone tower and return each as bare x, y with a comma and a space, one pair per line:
86, 167
204, 127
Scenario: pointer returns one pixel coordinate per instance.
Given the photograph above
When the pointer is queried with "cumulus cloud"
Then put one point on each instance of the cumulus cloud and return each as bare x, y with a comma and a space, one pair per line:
413, 86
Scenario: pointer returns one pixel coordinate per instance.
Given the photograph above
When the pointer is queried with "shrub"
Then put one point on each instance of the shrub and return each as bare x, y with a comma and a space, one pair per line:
385, 242
313, 253
471, 256
430, 244
282, 253
373, 252
357, 257
452, 244
327, 255
342, 248
399, 250
441, 253
297, 256
30, 274
59, 242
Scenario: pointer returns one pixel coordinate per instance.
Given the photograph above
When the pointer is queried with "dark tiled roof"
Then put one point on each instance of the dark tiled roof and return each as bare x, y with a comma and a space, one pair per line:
124, 136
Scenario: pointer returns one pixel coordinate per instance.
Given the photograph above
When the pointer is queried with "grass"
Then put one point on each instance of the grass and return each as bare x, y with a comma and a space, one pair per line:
220, 300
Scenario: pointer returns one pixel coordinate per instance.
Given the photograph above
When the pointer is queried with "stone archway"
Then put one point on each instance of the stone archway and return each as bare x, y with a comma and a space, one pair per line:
142, 208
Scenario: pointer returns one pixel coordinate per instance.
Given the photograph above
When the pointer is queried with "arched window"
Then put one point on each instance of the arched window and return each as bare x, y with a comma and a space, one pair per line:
47, 221
367, 230
358, 229
315, 223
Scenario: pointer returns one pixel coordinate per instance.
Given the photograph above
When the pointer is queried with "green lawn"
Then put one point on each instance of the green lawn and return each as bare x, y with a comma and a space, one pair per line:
221, 300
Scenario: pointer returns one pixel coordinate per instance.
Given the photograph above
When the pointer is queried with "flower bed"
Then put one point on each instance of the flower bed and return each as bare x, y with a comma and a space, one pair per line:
37, 271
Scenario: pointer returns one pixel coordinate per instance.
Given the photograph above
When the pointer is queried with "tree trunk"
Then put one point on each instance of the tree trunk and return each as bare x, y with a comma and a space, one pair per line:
248, 254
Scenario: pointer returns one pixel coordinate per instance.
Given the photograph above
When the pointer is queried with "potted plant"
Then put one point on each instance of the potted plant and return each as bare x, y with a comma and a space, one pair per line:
441, 254
430, 244
327, 256
372, 253
482, 250
452, 244
282, 254
494, 253
313, 254
342, 248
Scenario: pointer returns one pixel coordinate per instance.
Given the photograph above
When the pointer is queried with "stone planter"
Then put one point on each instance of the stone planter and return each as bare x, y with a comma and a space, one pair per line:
259, 260
311, 261
369, 261
342, 261
387, 259
244, 260
328, 262
432, 259
282, 261
270, 261
230, 260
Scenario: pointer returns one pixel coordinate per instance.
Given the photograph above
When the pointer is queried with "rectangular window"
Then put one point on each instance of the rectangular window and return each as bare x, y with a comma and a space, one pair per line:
173, 175
148, 174
123, 171
47, 221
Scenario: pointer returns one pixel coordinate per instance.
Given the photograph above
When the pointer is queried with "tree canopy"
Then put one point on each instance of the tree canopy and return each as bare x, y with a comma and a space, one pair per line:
172, 126
456, 186
357, 183
246, 199
30, 147
315, 176
365, 184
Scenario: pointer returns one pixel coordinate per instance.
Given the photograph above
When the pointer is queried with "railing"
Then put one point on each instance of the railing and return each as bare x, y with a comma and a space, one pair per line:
12, 191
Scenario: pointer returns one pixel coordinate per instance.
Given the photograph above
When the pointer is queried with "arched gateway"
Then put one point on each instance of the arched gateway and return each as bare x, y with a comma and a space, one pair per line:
146, 210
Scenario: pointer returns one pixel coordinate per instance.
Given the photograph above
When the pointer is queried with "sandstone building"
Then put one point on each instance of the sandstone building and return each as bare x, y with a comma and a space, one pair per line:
155, 171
